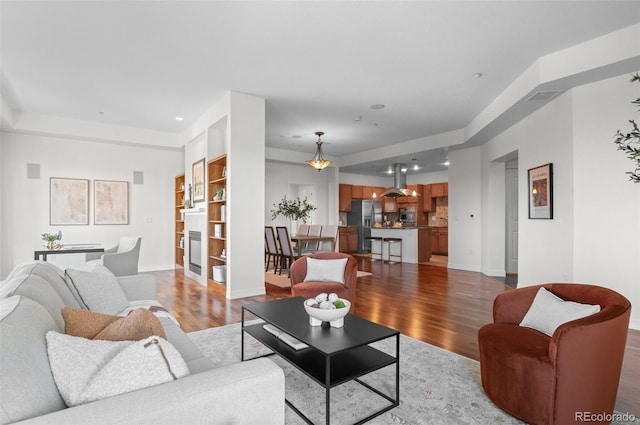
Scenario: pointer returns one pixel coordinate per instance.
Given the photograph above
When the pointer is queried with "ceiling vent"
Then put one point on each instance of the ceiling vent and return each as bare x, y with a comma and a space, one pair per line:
544, 96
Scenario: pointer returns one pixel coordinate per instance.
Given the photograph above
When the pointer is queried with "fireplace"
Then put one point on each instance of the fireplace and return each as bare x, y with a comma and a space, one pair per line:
195, 252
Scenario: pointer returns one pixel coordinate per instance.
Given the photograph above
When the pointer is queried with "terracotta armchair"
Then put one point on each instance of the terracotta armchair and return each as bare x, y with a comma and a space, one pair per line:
552, 380
298, 272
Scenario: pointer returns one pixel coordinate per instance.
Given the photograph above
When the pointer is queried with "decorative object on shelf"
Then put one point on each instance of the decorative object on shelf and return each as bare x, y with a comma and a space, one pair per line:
293, 210
68, 201
541, 192
319, 162
219, 196
327, 308
111, 202
188, 202
52, 240
198, 180
626, 141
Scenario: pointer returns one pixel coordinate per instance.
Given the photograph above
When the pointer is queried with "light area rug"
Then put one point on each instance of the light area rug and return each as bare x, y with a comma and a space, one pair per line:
283, 280
436, 386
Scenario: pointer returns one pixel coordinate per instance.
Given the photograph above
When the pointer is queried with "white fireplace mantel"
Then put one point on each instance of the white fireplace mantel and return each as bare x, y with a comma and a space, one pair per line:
194, 211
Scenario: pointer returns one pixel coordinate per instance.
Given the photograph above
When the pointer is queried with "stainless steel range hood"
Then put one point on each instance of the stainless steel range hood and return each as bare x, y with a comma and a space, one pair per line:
399, 182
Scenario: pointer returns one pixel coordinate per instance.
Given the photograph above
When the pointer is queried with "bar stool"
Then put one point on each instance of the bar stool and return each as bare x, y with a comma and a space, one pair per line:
389, 242
378, 253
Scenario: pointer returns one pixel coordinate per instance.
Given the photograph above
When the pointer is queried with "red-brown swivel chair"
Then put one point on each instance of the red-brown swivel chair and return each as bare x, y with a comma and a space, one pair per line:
299, 287
554, 380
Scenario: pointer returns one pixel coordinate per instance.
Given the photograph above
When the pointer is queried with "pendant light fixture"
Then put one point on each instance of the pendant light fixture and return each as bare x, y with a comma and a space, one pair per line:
319, 162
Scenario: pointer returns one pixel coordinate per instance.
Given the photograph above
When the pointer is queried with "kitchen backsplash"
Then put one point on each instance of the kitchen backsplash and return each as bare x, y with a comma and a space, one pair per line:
440, 217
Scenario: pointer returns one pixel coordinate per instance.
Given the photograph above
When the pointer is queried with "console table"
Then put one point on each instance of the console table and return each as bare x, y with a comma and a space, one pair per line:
70, 249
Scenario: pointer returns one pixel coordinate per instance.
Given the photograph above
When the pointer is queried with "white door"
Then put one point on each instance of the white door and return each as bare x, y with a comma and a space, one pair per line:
511, 266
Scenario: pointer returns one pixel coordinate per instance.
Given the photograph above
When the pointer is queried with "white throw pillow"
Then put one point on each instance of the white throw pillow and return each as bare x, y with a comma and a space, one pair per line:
88, 370
98, 290
325, 270
548, 311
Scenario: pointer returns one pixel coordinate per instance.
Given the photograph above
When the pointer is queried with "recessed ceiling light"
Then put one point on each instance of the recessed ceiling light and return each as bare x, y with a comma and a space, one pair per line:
415, 167
377, 106
477, 75
179, 119
446, 163
358, 118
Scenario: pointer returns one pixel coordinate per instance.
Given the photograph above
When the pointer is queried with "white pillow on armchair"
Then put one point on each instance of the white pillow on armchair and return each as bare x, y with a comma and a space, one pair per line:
325, 270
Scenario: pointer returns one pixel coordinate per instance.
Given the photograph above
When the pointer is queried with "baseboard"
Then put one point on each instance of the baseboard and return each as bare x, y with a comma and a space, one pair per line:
634, 324
464, 267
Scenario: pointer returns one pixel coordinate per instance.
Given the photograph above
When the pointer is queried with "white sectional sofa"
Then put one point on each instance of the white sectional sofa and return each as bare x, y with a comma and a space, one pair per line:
31, 301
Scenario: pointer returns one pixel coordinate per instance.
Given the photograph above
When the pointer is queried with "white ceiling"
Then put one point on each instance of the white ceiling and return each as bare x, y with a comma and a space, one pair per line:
318, 64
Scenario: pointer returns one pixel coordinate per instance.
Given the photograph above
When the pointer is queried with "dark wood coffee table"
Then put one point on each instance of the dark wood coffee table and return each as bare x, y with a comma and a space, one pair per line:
334, 355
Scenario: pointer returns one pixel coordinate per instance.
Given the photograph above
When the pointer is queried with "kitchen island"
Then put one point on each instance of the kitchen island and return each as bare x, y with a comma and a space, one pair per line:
413, 242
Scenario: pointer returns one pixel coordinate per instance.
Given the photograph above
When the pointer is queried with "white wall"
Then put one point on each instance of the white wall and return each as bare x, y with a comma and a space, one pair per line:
292, 180
606, 218
465, 194
593, 236
25, 202
358, 179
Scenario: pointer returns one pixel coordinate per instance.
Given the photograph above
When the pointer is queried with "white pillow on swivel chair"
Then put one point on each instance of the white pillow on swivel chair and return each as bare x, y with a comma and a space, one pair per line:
325, 270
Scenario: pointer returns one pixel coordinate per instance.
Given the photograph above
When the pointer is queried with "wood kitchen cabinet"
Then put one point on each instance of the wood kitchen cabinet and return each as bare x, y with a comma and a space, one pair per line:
344, 197
356, 192
428, 204
348, 239
440, 240
389, 205
367, 192
439, 190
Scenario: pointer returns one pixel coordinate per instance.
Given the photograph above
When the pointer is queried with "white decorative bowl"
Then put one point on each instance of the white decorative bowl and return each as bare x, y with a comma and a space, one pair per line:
335, 317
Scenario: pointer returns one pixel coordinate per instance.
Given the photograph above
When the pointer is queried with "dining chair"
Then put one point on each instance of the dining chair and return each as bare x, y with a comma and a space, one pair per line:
287, 254
330, 230
272, 249
303, 230
310, 247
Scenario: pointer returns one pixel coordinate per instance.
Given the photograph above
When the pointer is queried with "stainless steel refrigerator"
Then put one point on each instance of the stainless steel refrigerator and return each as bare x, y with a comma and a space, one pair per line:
364, 214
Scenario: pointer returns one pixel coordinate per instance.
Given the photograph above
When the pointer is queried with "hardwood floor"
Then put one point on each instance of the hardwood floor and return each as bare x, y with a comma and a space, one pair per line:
440, 306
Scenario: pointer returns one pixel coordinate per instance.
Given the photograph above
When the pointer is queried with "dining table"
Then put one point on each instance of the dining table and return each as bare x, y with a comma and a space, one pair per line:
302, 240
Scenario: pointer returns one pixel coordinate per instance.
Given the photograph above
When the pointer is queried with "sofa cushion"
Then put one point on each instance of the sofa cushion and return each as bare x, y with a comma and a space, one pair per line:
196, 361
548, 311
56, 278
99, 290
87, 370
140, 324
28, 388
36, 288
325, 270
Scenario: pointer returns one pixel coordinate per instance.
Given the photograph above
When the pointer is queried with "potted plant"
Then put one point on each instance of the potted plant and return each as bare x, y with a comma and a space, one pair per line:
52, 240
630, 142
298, 209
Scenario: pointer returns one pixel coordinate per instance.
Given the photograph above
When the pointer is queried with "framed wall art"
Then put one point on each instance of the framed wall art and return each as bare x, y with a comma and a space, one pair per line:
541, 192
197, 175
68, 201
111, 202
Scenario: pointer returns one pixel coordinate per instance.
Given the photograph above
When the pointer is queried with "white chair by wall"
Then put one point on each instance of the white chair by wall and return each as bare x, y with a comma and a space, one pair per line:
122, 259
